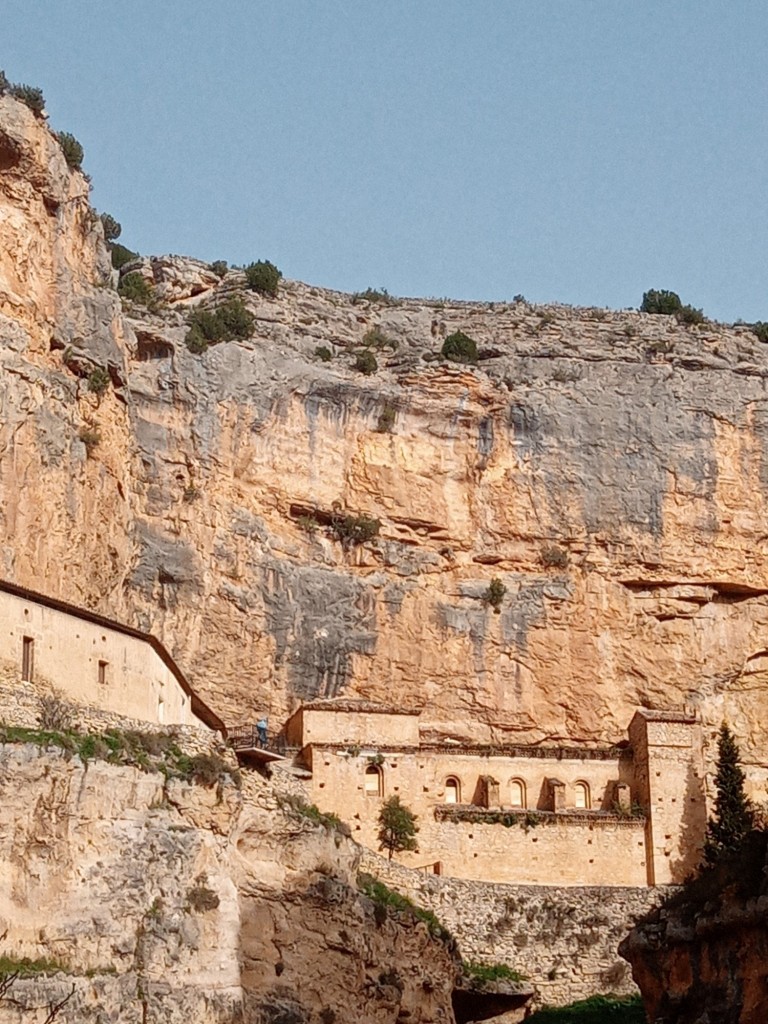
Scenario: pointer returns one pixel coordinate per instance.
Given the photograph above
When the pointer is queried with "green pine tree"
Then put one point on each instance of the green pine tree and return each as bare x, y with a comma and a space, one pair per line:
397, 827
734, 816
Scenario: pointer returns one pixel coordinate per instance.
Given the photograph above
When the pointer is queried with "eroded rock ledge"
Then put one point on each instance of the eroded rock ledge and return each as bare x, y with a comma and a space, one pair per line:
176, 902
701, 958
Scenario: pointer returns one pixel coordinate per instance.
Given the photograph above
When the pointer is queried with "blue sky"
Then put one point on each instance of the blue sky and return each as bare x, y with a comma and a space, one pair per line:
568, 150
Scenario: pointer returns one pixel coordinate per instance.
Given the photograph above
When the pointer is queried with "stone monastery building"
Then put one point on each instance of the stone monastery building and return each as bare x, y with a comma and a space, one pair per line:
93, 661
629, 815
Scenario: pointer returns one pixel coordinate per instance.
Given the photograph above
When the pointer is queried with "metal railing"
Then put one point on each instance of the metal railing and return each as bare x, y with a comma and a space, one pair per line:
246, 737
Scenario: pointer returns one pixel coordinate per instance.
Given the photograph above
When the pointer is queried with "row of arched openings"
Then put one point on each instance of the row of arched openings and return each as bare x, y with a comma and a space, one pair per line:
518, 795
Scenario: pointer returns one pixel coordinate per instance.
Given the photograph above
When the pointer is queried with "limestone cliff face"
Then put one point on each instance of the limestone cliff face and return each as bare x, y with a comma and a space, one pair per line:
609, 467
179, 903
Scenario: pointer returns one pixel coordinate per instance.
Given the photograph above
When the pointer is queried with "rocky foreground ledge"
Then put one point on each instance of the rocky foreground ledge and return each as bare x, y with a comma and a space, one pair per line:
127, 896
701, 958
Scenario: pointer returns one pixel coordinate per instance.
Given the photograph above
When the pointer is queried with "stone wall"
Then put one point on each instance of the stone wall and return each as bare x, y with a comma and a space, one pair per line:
569, 848
93, 662
563, 939
20, 706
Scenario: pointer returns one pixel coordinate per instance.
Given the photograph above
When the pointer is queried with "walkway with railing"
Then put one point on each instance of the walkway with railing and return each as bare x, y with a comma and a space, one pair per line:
246, 743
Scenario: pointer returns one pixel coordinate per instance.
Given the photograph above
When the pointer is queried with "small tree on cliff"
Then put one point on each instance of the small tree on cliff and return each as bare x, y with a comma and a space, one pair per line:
734, 816
397, 827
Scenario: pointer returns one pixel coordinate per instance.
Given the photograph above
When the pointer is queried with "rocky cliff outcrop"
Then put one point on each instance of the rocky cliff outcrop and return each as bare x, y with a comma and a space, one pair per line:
608, 467
701, 958
163, 900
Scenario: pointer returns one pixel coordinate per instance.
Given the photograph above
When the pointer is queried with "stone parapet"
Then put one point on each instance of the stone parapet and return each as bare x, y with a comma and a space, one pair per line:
534, 818
21, 706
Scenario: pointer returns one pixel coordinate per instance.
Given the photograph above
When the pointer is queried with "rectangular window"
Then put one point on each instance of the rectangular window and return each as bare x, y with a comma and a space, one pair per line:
102, 673
27, 659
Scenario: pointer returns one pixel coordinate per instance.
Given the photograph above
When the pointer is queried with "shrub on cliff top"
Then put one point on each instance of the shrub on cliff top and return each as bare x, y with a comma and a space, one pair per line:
666, 303
30, 96
121, 255
459, 348
4, 83
209, 327
112, 228
263, 277
378, 295
661, 302
73, 151
137, 289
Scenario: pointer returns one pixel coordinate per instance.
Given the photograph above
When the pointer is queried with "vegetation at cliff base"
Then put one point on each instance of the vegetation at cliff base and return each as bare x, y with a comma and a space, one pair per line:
595, 1010
386, 901
397, 827
734, 817
735, 847
460, 348
486, 974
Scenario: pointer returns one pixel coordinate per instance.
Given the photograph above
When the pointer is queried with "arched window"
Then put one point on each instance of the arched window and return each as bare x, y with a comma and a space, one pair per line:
374, 782
452, 790
517, 793
581, 794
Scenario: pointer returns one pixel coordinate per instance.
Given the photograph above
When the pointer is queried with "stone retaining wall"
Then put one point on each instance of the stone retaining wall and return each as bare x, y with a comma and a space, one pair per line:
20, 705
563, 939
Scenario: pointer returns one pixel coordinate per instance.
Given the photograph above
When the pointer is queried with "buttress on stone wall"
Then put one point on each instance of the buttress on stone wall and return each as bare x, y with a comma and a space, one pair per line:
628, 815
